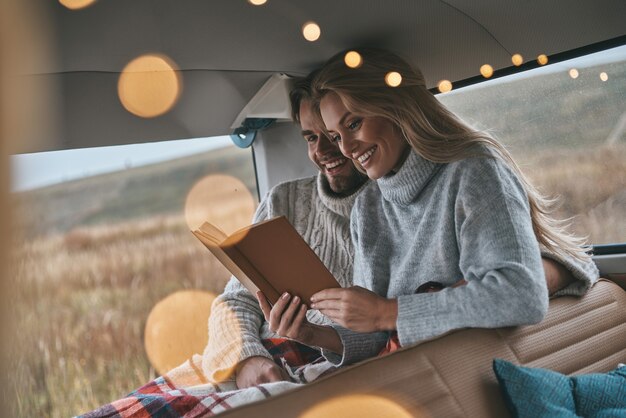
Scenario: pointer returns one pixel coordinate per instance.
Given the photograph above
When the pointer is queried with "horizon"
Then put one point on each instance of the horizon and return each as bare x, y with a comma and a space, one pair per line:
34, 171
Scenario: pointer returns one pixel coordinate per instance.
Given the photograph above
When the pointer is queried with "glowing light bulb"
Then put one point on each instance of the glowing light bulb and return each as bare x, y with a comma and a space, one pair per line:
486, 70
517, 60
444, 86
604, 76
149, 86
573, 73
542, 59
220, 199
257, 2
393, 79
359, 405
76, 4
181, 317
311, 31
353, 59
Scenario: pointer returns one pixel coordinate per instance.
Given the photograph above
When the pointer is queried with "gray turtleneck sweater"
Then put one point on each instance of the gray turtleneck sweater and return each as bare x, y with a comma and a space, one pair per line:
443, 222
237, 325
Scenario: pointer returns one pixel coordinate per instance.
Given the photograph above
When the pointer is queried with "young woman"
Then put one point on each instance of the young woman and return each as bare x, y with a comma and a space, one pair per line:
448, 205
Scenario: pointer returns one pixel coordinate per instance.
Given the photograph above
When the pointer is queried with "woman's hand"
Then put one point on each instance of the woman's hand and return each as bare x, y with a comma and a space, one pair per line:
357, 308
287, 318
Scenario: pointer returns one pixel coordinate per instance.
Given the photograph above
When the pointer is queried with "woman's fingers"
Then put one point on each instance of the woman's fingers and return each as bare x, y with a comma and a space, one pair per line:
299, 319
264, 304
287, 317
328, 294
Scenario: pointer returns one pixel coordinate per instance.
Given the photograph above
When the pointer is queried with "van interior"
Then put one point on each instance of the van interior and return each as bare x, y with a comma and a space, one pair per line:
234, 61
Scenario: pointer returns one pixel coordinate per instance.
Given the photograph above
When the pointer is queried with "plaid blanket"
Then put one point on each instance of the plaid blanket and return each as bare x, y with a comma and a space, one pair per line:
185, 391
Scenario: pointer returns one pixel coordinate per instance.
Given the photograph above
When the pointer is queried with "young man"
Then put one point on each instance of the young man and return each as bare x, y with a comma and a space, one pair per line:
319, 208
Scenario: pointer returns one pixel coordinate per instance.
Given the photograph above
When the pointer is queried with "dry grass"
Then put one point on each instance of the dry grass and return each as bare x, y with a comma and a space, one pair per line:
81, 299
590, 185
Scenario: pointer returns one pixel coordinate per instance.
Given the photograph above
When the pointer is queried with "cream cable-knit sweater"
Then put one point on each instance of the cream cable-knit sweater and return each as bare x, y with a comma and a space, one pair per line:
236, 325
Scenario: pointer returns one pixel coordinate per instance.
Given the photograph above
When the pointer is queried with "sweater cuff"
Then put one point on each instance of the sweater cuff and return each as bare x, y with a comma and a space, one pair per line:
418, 321
585, 274
357, 346
220, 366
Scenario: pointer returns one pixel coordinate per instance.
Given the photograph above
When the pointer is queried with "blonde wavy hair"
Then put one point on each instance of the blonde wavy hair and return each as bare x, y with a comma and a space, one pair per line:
430, 128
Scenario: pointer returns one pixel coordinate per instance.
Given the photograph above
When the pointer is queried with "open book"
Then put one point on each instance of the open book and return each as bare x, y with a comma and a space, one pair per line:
269, 256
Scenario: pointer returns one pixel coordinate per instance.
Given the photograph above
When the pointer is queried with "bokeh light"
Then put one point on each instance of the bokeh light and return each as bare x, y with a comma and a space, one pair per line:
177, 328
221, 200
353, 59
486, 70
76, 4
573, 73
149, 86
604, 76
542, 59
393, 79
444, 86
358, 406
517, 59
257, 2
311, 31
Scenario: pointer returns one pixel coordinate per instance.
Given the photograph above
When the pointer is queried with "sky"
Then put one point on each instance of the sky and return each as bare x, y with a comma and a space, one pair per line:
30, 171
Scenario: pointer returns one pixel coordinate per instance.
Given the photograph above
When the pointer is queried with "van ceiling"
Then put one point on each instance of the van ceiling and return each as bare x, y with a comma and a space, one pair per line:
227, 49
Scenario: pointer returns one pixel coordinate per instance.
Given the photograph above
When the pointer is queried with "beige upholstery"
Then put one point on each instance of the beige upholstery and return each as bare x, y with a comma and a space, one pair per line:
452, 376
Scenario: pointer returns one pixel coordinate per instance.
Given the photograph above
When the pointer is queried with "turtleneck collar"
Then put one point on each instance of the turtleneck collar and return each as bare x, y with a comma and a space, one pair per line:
341, 205
406, 184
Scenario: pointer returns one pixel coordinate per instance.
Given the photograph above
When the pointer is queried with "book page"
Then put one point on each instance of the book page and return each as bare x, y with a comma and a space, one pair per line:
212, 232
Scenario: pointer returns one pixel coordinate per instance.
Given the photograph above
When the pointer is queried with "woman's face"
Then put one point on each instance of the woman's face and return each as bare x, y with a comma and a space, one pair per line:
372, 141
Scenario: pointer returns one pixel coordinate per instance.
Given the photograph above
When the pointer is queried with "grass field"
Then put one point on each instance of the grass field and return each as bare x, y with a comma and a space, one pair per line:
81, 298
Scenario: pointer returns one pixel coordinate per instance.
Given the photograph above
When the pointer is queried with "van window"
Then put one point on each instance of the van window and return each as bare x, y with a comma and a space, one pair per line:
93, 259
565, 125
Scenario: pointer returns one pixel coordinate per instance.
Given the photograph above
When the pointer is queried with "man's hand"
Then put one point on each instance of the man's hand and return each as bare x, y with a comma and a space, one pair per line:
357, 308
557, 276
256, 370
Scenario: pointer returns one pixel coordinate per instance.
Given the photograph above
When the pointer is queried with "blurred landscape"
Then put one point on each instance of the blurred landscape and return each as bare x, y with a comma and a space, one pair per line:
92, 257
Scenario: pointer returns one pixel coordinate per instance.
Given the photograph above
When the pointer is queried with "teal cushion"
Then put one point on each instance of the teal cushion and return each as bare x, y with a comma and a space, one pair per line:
530, 392
601, 394
535, 393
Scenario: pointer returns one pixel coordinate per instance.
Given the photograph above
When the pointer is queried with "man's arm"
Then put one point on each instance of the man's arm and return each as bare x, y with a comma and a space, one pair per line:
566, 275
234, 327
557, 276
234, 345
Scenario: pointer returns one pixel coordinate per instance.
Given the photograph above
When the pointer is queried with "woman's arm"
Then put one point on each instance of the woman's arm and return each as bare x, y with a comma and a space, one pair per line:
287, 318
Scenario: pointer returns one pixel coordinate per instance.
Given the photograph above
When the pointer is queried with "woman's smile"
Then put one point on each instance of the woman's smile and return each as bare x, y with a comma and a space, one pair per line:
373, 142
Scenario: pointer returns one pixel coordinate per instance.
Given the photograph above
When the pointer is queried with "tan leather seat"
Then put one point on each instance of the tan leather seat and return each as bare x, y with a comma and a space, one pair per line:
452, 377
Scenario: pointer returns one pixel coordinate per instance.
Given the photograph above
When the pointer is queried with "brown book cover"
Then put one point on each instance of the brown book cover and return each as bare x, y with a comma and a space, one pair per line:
270, 256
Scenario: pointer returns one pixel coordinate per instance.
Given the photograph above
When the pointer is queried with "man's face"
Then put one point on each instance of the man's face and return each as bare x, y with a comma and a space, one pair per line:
343, 178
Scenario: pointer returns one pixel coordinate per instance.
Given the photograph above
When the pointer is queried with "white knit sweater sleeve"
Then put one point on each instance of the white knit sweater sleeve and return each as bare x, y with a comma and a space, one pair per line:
234, 325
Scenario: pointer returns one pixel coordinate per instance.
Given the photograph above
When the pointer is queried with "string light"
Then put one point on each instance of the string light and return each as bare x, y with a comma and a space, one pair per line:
353, 59
542, 59
444, 86
573, 73
76, 4
486, 70
393, 79
604, 76
311, 31
517, 60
